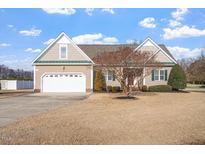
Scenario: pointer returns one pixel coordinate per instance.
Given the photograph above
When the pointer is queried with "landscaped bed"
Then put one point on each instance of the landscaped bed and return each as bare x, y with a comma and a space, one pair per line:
157, 118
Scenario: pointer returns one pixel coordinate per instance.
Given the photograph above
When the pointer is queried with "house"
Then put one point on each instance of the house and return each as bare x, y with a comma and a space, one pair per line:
67, 67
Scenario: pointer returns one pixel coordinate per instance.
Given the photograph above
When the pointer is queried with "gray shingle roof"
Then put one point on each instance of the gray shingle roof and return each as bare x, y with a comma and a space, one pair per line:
93, 50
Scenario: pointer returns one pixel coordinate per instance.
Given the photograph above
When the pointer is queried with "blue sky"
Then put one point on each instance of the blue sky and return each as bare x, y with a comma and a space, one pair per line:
26, 32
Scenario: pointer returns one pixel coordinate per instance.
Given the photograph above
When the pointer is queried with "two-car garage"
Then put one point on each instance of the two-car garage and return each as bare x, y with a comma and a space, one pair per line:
63, 82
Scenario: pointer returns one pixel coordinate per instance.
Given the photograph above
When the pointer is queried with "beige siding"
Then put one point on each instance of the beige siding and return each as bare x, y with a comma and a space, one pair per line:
148, 48
161, 57
40, 70
53, 53
109, 82
149, 82
112, 83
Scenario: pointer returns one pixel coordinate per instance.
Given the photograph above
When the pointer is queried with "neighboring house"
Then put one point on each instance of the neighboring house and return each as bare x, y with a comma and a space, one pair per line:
66, 67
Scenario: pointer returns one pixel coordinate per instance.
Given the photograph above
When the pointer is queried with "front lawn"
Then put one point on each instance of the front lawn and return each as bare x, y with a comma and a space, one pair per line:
159, 118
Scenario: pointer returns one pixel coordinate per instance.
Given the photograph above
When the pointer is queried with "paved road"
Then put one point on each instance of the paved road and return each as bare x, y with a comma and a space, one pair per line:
14, 108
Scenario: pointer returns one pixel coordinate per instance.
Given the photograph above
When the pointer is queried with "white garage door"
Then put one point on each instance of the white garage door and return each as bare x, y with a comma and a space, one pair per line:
71, 82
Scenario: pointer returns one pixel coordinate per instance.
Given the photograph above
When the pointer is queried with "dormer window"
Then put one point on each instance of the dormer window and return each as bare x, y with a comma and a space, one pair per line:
63, 50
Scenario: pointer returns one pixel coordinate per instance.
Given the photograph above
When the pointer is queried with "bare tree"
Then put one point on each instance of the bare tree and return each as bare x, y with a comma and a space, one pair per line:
8, 73
127, 66
196, 70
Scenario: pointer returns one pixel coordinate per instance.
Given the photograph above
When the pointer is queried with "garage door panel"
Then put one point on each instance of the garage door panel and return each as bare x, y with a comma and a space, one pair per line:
71, 82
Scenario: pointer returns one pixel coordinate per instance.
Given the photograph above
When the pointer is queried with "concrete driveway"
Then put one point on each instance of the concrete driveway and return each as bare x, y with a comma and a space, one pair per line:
14, 108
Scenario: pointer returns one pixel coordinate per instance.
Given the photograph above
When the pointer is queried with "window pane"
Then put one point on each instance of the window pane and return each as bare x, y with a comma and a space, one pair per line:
162, 74
156, 77
63, 52
110, 75
156, 74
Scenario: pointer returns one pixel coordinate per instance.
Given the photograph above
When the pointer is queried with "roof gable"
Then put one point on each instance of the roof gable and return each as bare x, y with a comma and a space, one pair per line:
149, 43
52, 51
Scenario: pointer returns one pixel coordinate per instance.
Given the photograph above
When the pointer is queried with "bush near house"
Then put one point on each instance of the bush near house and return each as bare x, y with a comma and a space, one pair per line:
115, 89
177, 78
160, 88
109, 88
99, 81
144, 88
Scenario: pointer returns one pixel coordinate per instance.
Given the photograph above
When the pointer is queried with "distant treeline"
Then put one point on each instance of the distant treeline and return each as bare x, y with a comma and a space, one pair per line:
7, 73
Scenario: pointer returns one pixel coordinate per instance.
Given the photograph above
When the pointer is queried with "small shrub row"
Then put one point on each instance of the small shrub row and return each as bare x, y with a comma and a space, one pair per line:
160, 88
113, 89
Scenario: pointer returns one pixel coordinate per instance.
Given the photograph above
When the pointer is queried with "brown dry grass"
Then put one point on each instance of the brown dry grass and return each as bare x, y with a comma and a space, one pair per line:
164, 118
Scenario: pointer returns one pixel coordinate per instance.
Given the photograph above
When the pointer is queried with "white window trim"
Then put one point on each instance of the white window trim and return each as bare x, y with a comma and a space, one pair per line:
159, 75
63, 45
163, 75
108, 76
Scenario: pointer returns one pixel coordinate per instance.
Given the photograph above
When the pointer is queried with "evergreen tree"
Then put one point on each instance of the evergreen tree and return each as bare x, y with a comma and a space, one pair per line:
99, 81
177, 78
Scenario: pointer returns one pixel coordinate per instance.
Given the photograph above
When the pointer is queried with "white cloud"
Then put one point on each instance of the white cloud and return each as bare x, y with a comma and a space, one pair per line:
12, 61
179, 13
110, 40
33, 50
30, 32
48, 41
180, 52
174, 23
132, 41
148, 22
109, 10
89, 11
97, 38
182, 32
10, 26
65, 11
5, 45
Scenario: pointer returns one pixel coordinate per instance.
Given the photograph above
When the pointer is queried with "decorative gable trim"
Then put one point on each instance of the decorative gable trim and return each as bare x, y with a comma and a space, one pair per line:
59, 36
156, 45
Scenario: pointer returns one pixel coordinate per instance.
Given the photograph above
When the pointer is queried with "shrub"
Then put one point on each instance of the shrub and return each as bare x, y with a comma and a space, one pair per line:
109, 88
144, 88
99, 81
160, 88
115, 89
177, 78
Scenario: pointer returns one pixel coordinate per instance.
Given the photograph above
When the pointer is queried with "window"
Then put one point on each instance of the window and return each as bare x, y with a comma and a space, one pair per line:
162, 74
63, 51
156, 74
110, 76
159, 75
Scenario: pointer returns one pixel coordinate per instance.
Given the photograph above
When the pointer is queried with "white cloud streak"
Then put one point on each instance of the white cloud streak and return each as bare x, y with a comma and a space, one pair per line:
174, 23
109, 10
12, 61
179, 13
89, 11
31, 32
180, 52
182, 32
96, 38
148, 22
33, 50
48, 41
63, 11
5, 44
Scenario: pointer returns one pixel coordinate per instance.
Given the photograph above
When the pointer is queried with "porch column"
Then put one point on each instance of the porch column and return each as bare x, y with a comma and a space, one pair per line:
143, 76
